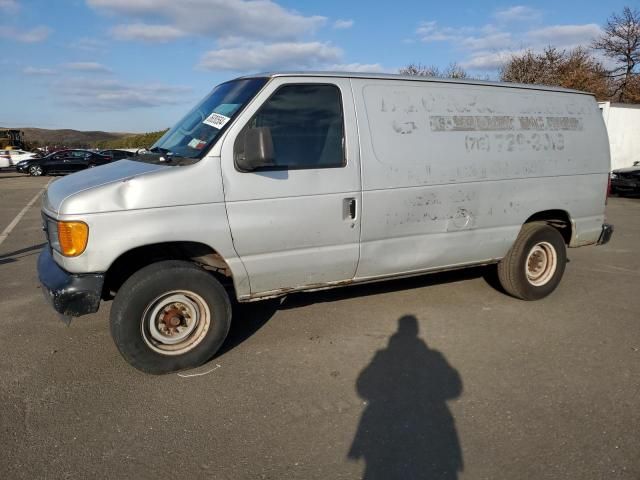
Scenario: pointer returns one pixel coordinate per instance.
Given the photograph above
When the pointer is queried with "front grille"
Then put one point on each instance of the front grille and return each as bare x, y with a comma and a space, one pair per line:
50, 228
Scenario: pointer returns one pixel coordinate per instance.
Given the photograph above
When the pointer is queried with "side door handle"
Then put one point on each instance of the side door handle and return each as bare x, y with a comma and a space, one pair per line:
349, 208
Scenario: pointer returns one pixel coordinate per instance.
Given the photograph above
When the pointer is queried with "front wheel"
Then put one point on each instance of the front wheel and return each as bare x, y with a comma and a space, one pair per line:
534, 265
170, 316
36, 170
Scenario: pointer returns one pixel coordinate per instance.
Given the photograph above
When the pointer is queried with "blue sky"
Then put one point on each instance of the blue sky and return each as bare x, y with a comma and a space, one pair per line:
138, 65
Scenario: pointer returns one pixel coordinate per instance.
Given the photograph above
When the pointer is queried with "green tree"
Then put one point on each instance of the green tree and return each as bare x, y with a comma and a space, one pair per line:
142, 140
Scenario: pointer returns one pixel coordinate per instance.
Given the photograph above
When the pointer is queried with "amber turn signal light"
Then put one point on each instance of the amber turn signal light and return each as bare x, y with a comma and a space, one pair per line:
73, 237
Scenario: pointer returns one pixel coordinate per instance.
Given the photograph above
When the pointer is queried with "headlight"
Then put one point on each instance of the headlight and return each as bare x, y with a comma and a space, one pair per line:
614, 176
68, 238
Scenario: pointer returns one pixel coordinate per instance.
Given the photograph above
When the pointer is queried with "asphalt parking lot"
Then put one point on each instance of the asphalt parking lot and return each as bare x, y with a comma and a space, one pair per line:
408, 379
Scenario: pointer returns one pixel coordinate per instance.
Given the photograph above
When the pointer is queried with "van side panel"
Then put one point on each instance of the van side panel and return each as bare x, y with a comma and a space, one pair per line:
451, 171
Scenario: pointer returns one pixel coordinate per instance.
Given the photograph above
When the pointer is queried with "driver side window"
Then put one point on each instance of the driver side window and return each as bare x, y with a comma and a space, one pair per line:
304, 127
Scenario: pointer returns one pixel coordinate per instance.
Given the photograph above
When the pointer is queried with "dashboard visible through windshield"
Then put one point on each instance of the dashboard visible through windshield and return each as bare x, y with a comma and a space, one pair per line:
191, 136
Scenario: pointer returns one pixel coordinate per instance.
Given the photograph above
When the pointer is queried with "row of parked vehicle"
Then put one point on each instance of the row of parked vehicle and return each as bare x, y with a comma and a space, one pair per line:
66, 161
9, 158
625, 180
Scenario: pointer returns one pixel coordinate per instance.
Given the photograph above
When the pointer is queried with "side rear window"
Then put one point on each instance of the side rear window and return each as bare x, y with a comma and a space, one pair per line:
306, 125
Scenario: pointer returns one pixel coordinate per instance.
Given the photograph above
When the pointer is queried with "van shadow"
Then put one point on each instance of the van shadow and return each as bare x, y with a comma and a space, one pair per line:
249, 318
488, 273
407, 430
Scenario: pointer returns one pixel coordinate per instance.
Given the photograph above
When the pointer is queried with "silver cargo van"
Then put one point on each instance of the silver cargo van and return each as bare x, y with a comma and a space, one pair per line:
284, 182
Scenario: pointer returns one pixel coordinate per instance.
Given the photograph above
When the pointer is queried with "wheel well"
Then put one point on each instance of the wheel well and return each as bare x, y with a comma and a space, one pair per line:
133, 260
559, 219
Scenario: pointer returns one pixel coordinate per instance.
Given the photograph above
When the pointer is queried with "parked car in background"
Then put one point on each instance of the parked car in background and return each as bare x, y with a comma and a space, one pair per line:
62, 162
626, 180
5, 159
9, 158
116, 154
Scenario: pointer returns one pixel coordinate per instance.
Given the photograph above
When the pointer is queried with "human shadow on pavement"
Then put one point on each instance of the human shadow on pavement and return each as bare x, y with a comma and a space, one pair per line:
407, 430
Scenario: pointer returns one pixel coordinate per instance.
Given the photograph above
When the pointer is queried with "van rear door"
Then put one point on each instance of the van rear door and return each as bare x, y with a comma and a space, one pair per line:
295, 221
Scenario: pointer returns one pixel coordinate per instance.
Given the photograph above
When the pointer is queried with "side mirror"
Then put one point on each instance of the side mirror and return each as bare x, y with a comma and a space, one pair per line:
254, 149
636, 163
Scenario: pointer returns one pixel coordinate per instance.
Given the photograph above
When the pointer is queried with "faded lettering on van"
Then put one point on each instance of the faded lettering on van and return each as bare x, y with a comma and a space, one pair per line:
466, 123
550, 123
512, 142
484, 123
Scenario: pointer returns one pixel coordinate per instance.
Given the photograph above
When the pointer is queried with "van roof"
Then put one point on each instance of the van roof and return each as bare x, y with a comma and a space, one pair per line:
413, 78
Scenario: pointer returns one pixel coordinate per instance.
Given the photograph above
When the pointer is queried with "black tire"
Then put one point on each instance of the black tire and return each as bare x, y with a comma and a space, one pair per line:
143, 294
514, 267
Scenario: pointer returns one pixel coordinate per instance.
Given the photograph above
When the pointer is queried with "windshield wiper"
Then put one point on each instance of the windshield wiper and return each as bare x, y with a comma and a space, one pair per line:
161, 155
159, 150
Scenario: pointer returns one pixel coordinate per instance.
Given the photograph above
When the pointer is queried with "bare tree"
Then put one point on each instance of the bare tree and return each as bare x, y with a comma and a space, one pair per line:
576, 69
530, 67
620, 41
452, 71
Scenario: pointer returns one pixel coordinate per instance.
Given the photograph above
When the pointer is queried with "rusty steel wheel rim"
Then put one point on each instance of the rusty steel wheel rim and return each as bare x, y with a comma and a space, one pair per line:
175, 322
541, 264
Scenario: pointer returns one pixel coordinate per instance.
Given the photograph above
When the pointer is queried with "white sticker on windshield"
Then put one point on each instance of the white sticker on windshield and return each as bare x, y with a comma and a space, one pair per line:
216, 120
197, 144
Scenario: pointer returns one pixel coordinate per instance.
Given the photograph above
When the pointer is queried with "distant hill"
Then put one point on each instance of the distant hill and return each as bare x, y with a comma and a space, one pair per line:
141, 140
68, 138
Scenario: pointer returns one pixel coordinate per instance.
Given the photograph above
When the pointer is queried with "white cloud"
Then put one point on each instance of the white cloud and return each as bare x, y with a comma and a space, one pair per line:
517, 13
487, 42
342, 24
90, 67
274, 56
564, 36
432, 32
9, 5
109, 94
88, 44
147, 32
489, 46
249, 19
33, 35
38, 71
359, 67
488, 60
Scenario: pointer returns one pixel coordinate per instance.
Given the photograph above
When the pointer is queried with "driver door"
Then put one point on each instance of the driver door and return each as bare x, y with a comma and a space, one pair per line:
296, 223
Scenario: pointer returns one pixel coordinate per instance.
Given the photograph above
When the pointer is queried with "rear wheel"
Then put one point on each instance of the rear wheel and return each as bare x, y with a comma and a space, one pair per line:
36, 170
170, 316
534, 265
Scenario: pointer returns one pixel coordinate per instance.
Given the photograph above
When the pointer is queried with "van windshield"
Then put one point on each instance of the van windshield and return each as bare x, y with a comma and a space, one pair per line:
191, 136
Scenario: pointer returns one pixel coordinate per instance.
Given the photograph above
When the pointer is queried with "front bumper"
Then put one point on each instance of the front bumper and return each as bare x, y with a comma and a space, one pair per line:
70, 295
605, 235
